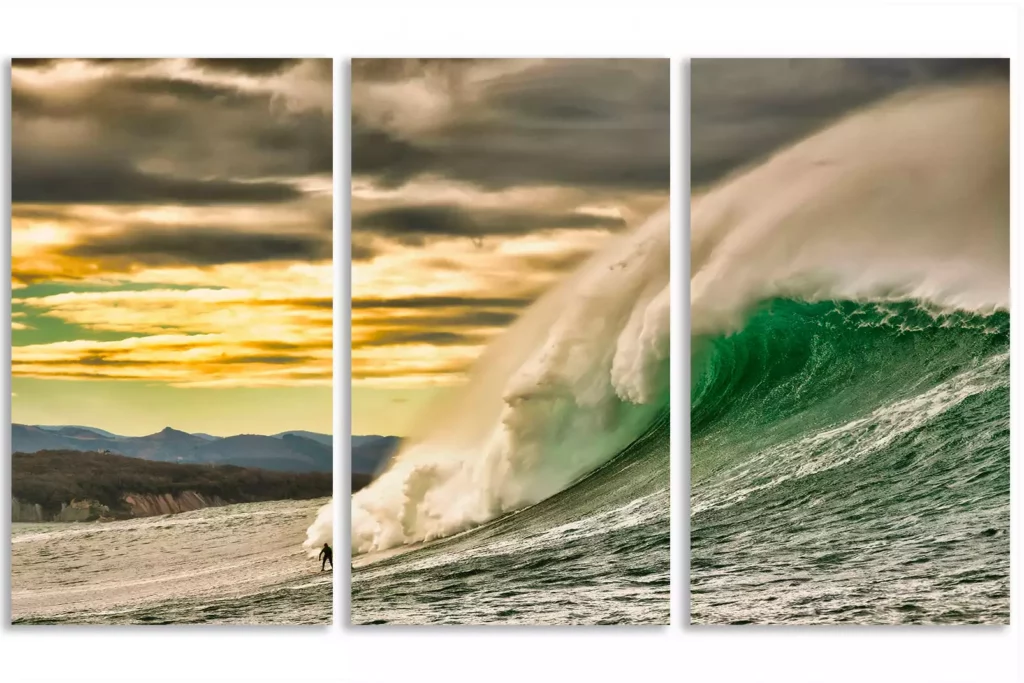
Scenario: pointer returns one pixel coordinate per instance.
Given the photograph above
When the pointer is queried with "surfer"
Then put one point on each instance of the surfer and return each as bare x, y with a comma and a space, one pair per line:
327, 556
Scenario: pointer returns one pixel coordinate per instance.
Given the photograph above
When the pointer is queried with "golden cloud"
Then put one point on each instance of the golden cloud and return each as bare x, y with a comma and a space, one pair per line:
181, 360
274, 327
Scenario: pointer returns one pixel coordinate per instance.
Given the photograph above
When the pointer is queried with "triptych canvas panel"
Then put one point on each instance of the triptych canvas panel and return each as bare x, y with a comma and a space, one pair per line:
172, 334
512, 363
510, 333
849, 313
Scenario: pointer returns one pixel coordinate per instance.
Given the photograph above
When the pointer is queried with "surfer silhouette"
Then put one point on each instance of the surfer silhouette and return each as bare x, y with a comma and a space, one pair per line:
327, 556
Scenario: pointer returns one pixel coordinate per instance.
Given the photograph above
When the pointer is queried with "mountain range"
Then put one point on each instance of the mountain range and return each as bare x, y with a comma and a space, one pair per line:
294, 451
291, 451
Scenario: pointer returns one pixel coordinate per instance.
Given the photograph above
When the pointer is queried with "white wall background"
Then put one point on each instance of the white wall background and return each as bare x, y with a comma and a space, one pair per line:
550, 28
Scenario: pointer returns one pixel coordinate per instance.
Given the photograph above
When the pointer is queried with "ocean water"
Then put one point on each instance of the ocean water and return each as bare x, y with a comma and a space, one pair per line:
850, 402
596, 553
851, 465
237, 564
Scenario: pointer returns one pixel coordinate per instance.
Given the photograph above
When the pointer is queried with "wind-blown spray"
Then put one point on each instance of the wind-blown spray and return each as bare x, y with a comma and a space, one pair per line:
906, 200
574, 380
321, 530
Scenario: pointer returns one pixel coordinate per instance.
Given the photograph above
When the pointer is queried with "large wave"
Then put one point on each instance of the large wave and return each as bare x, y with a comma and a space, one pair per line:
807, 387
850, 372
580, 375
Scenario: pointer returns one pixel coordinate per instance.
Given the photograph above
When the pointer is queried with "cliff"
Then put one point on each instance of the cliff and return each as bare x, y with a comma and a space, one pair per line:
146, 505
135, 505
74, 511
26, 512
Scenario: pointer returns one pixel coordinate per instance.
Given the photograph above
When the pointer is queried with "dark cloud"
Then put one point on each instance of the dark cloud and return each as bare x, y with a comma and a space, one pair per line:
406, 337
556, 262
41, 213
34, 63
278, 346
137, 117
67, 374
100, 140
441, 302
53, 183
31, 277
183, 89
31, 63
385, 70
96, 99
202, 130
744, 109
98, 359
460, 318
450, 318
122, 61
110, 359
123, 111
390, 160
249, 67
202, 247
411, 224
368, 371
363, 250
595, 123
304, 146
265, 360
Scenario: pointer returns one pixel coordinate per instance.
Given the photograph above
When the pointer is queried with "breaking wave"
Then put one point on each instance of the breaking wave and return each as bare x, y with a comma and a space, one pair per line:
580, 376
850, 371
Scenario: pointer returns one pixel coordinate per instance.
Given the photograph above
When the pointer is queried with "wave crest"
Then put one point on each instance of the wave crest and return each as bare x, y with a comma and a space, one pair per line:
579, 376
908, 199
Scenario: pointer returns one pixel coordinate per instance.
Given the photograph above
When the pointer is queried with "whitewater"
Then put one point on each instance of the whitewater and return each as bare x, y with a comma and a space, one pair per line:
850, 372
539, 492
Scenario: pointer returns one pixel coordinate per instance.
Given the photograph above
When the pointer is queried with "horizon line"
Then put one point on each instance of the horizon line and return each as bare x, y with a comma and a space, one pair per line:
139, 436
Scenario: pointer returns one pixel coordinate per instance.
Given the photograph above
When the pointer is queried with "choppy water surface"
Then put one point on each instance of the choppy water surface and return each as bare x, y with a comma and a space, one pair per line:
238, 564
597, 553
851, 465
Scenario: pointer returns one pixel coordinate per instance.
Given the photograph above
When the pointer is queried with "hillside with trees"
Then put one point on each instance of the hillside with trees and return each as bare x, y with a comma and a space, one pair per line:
53, 479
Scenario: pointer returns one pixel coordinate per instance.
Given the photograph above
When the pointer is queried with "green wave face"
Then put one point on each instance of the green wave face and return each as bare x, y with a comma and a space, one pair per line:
596, 552
797, 366
858, 451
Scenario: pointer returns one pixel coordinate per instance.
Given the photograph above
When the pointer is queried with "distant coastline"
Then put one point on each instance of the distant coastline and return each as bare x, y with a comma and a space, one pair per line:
77, 486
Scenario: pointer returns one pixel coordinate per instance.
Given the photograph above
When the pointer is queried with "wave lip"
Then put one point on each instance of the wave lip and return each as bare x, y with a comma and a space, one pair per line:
908, 199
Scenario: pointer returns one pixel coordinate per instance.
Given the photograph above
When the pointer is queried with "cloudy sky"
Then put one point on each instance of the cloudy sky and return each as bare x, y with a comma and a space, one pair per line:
744, 109
476, 185
171, 247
